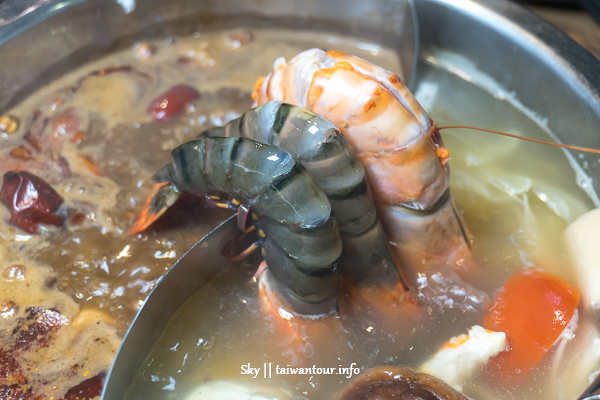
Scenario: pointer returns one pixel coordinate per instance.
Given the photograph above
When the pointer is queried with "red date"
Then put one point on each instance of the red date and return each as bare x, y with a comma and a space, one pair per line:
31, 201
88, 389
172, 102
66, 125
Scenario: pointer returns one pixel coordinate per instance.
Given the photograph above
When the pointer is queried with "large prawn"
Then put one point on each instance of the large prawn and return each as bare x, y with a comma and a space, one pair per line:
302, 244
291, 242
399, 147
324, 152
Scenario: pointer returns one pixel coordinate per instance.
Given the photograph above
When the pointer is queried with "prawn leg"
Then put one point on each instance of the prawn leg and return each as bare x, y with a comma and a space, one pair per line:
242, 211
228, 251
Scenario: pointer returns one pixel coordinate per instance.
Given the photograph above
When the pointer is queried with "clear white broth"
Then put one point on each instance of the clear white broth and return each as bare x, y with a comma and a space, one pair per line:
516, 198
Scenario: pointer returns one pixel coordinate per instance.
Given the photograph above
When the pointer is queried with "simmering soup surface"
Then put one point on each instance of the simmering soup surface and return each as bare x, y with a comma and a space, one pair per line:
90, 136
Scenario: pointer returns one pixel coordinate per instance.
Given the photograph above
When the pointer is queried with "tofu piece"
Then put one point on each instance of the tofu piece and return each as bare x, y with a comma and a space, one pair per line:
227, 390
583, 240
463, 355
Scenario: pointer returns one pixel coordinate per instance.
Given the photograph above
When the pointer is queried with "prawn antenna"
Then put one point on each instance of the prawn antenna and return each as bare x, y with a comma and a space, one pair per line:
565, 146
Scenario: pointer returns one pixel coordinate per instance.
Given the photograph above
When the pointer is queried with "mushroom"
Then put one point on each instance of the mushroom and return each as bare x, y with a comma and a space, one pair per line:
398, 383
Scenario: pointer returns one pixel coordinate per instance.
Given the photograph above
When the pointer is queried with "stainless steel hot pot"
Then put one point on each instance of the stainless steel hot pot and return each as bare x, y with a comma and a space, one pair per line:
551, 75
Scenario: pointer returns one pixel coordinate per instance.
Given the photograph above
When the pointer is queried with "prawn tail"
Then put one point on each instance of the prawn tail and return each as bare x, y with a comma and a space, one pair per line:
162, 197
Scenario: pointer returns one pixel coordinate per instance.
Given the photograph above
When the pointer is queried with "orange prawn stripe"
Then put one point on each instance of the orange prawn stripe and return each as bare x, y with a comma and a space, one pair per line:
367, 120
365, 103
384, 77
257, 86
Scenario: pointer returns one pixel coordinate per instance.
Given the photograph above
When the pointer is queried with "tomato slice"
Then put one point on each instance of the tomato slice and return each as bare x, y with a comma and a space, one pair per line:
532, 308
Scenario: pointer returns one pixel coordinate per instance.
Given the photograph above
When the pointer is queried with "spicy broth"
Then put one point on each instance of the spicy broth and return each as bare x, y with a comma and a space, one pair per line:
90, 136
